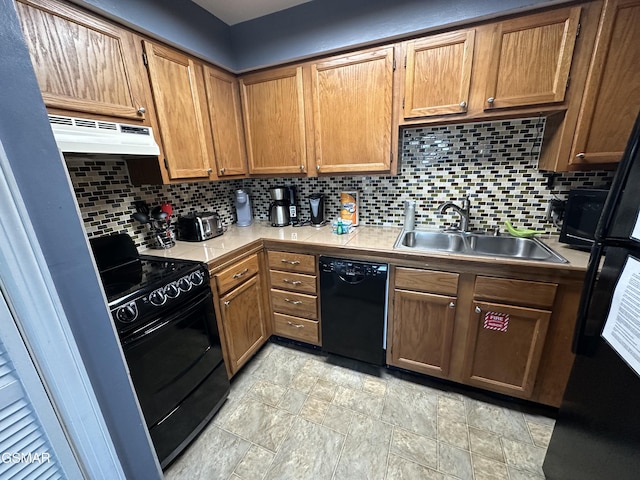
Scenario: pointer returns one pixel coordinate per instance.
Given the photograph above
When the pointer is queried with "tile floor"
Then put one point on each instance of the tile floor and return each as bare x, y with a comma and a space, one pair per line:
295, 414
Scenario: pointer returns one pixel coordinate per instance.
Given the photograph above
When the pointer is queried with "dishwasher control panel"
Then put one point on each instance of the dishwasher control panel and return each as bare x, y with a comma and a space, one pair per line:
351, 269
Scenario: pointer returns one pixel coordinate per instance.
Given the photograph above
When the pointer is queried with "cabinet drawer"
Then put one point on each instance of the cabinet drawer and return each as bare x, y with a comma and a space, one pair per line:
236, 274
427, 281
292, 262
296, 328
296, 282
297, 304
516, 292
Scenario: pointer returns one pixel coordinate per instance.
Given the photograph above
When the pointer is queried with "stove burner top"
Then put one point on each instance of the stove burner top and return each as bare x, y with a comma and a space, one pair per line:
141, 288
144, 274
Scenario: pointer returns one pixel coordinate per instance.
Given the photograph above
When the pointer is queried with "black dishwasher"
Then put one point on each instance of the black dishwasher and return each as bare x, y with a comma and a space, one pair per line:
353, 299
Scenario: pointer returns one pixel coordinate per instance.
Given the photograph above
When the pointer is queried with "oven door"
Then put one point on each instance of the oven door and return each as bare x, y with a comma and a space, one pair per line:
171, 355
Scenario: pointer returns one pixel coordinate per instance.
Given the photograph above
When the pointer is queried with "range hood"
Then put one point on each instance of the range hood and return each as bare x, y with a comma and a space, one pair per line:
83, 135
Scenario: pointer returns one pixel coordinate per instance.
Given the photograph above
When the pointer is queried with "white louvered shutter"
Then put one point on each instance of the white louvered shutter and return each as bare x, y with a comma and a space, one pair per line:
25, 451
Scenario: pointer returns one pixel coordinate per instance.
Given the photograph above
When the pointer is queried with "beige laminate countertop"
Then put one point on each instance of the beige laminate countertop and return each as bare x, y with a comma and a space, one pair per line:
366, 238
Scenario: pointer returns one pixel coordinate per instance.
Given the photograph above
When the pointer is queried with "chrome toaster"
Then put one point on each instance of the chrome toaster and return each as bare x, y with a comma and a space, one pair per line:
197, 227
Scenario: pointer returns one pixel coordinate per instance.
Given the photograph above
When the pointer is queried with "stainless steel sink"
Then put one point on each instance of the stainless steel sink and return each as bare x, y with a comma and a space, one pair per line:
439, 241
476, 244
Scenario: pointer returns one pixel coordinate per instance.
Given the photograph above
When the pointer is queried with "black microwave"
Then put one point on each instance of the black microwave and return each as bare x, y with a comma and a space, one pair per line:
581, 216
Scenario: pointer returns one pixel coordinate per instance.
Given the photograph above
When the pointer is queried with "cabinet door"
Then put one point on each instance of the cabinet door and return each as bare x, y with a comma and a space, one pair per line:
223, 100
274, 119
83, 64
504, 355
178, 93
612, 94
438, 74
243, 320
352, 112
530, 59
422, 332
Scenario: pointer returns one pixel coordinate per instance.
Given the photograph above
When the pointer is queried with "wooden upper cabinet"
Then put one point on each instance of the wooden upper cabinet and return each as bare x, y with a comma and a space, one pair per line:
84, 65
529, 59
352, 112
177, 84
274, 120
223, 100
438, 74
612, 94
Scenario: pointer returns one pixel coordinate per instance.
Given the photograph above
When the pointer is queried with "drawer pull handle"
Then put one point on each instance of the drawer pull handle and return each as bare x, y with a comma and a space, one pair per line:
295, 302
291, 262
226, 304
295, 325
478, 310
239, 274
292, 282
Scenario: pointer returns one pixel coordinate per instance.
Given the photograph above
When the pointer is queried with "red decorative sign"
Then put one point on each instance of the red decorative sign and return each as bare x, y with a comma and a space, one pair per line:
496, 321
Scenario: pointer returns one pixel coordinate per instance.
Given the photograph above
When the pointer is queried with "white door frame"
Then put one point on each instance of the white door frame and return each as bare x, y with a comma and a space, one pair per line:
33, 301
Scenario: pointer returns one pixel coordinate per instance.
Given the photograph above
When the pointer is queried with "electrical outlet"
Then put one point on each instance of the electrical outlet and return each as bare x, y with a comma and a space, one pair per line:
555, 208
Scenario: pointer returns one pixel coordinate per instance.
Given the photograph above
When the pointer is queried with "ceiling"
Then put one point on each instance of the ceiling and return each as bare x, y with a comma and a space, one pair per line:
237, 11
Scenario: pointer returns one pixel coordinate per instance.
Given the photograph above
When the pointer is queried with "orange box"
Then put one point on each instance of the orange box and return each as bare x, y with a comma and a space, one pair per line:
349, 207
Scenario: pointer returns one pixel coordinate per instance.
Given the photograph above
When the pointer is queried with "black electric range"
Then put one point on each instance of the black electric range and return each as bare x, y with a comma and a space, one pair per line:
163, 312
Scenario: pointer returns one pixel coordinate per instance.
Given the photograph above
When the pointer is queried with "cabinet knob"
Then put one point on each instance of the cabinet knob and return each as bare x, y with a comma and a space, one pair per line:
222, 170
463, 104
318, 167
209, 170
226, 304
142, 110
478, 310
490, 100
302, 168
452, 305
580, 155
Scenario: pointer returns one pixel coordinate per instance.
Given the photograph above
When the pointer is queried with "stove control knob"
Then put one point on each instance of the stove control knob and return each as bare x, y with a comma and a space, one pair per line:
184, 284
197, 278
128, 313
157, 298
172, 290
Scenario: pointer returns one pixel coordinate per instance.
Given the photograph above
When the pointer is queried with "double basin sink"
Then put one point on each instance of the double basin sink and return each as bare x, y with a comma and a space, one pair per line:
477, 244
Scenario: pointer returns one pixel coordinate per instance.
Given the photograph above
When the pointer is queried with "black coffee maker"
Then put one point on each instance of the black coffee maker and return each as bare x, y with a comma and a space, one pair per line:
291, 195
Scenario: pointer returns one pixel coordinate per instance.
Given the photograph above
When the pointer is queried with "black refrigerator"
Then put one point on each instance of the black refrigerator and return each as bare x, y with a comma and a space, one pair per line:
597, 433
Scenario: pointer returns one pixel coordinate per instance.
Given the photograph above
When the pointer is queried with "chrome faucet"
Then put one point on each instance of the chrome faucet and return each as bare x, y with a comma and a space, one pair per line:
462, 211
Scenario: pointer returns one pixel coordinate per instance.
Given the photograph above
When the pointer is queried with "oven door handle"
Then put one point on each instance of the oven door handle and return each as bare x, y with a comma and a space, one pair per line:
158, 324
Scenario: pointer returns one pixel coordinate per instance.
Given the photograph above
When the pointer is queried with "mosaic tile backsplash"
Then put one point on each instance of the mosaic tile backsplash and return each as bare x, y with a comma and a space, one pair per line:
495, 164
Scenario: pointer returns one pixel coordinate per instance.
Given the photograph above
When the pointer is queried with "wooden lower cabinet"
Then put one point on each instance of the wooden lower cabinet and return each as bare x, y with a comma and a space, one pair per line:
296, 328
294, 297
489, 332
243, 320
422, 332
241, 308
503, 356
